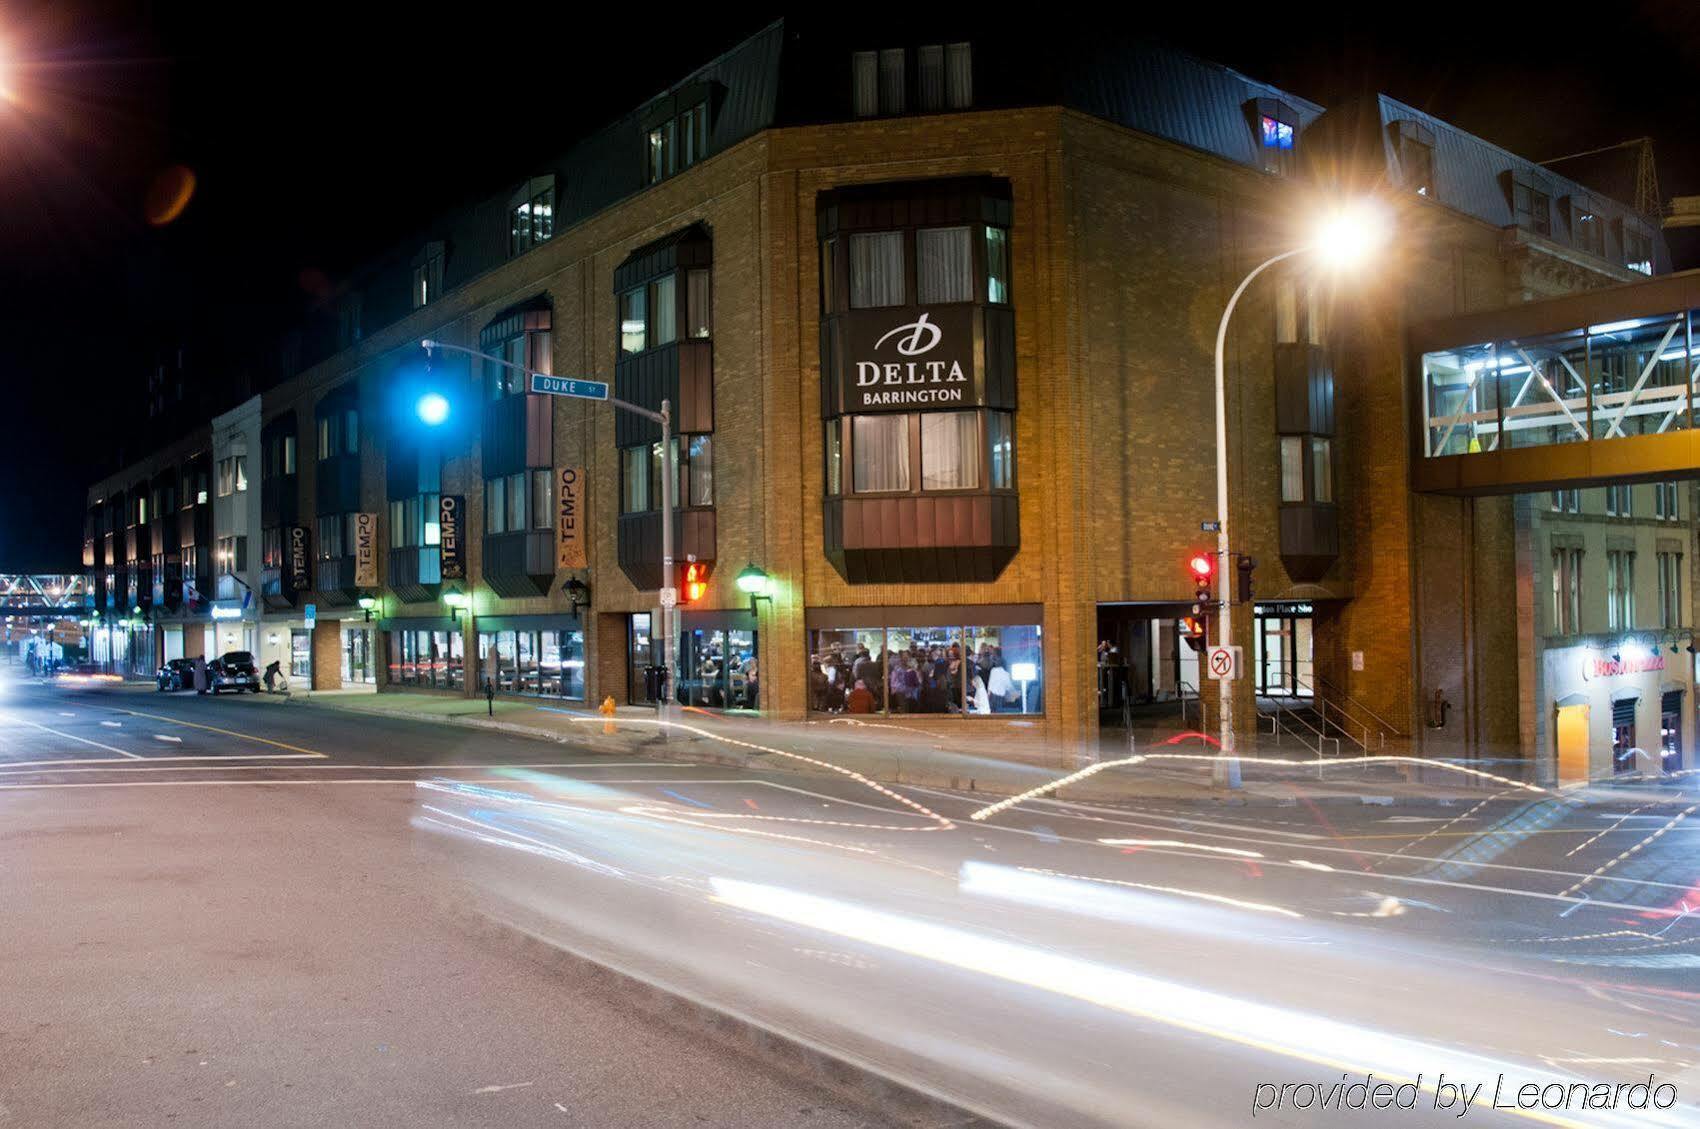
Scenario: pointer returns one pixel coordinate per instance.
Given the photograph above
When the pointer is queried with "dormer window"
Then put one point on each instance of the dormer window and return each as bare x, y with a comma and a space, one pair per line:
531, 214
427, 284
676, 143
1531, 205
1637, 249
1275, 126
946, 77
1413, 148
1587, 226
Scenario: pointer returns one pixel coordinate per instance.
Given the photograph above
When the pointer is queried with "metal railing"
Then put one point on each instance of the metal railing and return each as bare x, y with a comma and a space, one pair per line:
1373, 727
1289, 721
1198, 700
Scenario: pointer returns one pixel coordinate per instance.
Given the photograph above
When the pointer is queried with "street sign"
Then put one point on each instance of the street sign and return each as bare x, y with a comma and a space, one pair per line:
567, 386
1223, 663
1210, 526
311, 614
669, 597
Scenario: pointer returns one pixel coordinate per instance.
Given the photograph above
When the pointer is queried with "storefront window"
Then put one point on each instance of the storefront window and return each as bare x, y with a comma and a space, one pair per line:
1623, 735
538, 663
927, 670
717, 669
430, 659
300, 653
1670, 730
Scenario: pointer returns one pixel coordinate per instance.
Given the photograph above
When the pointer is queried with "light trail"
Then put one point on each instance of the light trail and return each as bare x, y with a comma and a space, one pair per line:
1632, 851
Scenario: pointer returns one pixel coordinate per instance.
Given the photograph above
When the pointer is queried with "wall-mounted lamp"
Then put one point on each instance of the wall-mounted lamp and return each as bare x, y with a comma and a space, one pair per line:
367, 602
756, 584
457, 602
578, 592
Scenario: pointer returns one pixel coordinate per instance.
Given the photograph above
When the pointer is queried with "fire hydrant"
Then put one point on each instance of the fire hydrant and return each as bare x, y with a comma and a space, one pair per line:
607, 710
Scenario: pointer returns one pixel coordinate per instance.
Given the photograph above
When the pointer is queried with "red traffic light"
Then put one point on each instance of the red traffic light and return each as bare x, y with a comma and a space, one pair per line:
1202, 567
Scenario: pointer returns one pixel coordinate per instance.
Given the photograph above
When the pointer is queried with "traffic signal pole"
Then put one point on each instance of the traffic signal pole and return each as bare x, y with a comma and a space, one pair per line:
666, 611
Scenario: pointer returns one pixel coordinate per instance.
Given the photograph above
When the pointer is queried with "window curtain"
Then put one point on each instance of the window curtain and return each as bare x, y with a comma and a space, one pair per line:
879, 450
516, 502
944, 265
664, 314
1322, 469
700, 468
1292, 469
876, 269
950, 451
864, 83
698, 310
959, 75
892, 80
931, 60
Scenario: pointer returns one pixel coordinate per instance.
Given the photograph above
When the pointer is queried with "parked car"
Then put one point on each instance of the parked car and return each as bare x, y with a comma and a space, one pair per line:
233, 670
177, 674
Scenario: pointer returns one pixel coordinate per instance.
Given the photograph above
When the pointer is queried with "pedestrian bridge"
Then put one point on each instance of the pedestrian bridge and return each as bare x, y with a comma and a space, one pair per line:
1589, 389
44, 596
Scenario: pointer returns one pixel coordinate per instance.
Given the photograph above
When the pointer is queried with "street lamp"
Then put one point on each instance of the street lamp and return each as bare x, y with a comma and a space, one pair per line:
755, 584
1344, 238
457, 602
578, 592
367, 602
432, 409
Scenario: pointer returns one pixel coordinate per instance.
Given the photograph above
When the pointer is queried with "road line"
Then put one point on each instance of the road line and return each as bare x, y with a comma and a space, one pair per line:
215, 729
157, 760
113, 724
163, 737
1124, 813
7, 718
213, 763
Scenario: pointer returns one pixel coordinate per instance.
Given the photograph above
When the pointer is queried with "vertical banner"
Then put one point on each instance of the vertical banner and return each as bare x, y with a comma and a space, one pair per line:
449, 510
569, 504
365, 550
300, 558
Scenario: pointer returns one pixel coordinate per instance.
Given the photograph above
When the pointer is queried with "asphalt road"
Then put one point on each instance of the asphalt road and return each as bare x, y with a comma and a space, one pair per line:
271, 920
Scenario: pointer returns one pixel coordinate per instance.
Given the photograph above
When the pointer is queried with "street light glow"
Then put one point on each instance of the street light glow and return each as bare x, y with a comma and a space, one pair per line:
1348, 235
432, 408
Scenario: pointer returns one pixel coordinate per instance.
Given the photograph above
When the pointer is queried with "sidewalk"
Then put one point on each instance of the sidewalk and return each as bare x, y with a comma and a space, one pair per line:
893, 753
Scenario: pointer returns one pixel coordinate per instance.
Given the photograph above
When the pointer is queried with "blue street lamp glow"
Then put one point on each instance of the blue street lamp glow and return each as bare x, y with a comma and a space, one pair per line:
432, 408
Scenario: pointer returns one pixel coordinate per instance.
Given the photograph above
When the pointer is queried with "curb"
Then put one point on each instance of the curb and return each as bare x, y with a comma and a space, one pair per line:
835, 1074
689, 748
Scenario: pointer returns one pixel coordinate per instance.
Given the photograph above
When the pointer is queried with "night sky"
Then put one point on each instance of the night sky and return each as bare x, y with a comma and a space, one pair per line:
321, 135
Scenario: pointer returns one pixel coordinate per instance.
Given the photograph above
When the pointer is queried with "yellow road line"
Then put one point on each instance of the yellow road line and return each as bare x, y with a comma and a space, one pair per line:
216, 729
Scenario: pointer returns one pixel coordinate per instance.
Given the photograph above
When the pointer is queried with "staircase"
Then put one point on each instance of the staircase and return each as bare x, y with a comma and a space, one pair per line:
1328, 722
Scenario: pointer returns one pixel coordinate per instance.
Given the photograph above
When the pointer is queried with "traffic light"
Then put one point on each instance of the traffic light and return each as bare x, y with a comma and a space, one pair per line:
1193, 629
1244, 593
1203, 568
693, 582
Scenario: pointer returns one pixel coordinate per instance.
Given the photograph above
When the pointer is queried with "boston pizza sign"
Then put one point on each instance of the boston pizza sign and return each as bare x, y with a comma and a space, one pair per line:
903, 360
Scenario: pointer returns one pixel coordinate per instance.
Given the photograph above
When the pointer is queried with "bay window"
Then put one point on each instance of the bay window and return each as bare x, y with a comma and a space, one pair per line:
876, 269
953, 451
944, 265
879, 447
997, 265
950, 450
414, 521
1000, 430
641, 470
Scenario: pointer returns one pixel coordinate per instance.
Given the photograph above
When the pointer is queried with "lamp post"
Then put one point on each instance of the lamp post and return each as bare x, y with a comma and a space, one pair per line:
667, 614
367, 602
457, 602
755, 584
1343, 238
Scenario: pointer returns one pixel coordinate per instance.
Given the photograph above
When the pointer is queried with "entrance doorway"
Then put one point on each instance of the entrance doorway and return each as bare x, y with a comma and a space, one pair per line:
357, 661
1572, 733
718, 669
1146, 667
1283, 651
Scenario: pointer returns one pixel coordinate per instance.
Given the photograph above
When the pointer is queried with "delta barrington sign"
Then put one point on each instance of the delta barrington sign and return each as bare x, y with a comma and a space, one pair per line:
923, 359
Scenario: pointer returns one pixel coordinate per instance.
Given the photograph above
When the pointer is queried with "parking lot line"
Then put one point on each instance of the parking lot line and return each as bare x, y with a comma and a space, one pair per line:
9, 719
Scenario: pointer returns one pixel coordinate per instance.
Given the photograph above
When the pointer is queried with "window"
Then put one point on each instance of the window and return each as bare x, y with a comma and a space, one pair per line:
1623, 735
634, 479
1275, 137
1416, 163
829, 276
1637, 250
1587, 228
876, 269
280, 455
226, 477
1620, 589
930, 62
1292, 468
271, 548
1567, 501
231, 555
414, 521
495, 505
960, 670
329, 437
950, 450
664, 311
351, 431
892, 80
864, 84
699, 309
516, 502
698, 471
959, 75
542, 498
997, 265
430, 659
1670, 730
661, 143
1665, 501
536, 663
1532, 206
330, 531
879, 447
1670, 590
427, 276
1619, 501
834, 457
693, 135
633, 320
532, 215
1566, 591
1322, 468
1000, 430
241, 472
944, 265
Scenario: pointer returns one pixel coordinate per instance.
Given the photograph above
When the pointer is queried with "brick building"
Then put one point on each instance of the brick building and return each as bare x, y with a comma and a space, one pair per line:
938, 344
